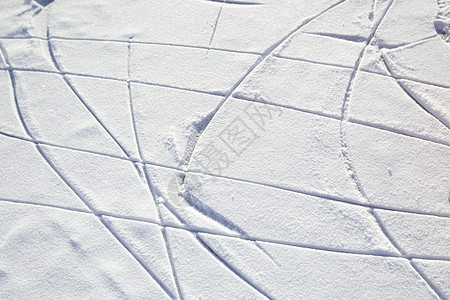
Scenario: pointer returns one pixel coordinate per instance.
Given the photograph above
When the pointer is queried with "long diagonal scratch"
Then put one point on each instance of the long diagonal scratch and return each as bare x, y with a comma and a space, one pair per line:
146, 177
262, 184
136, 166
217, 256
67, 183
384, 59
218, 233
346, 155
269, 51
264, 56
214, 29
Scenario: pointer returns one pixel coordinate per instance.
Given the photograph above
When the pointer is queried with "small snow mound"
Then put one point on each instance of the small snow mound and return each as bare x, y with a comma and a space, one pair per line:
442, 22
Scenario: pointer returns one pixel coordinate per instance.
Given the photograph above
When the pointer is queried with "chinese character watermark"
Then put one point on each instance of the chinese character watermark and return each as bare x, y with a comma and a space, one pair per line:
230, 143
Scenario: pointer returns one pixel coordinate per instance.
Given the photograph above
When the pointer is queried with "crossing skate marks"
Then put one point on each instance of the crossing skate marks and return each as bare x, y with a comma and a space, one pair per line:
191, 175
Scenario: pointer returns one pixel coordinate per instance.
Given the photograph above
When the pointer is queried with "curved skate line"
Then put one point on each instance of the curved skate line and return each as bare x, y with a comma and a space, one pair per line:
146, 177
218, 233
240, 82
58, 67
348, 163
303, 192
209, 212
67, 183
407, 133
227, 265
261, 59
384, 59
266, 54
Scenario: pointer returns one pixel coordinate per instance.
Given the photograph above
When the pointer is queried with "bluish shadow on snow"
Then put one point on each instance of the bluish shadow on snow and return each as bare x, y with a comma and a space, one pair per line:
43, 2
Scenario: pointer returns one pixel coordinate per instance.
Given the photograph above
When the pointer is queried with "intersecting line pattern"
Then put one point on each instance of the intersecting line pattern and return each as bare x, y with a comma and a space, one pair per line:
141, 164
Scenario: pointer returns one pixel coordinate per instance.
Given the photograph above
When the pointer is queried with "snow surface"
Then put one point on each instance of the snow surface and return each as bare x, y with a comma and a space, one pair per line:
225, 149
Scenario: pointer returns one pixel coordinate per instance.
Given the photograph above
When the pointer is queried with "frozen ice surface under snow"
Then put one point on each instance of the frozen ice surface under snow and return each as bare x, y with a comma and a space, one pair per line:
225, 149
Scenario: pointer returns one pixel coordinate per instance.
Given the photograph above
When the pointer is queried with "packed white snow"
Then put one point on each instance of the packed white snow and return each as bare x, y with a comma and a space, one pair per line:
225, 149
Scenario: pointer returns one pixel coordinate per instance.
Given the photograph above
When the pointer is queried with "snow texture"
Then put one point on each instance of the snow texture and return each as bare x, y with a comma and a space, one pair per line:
225, 149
